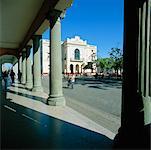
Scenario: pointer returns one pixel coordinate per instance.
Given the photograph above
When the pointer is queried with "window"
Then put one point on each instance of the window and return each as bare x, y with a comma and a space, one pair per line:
77, 54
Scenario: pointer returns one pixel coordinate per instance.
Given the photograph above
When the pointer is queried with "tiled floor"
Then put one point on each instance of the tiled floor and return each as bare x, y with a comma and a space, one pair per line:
29, 123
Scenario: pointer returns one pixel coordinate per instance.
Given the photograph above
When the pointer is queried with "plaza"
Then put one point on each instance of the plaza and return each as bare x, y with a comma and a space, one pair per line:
99, 100
29, 116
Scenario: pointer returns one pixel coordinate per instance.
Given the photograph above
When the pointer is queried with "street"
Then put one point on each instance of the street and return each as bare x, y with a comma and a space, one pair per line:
99, 100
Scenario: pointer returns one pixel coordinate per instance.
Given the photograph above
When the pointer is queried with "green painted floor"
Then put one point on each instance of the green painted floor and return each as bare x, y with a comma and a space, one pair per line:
24, 128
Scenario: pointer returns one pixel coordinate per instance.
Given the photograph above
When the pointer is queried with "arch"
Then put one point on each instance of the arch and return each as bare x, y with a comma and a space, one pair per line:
77, 54
71, 68
8, 59
77, 68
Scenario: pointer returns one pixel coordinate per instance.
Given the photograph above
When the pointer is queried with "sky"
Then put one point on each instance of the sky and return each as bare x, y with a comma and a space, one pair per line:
100, 22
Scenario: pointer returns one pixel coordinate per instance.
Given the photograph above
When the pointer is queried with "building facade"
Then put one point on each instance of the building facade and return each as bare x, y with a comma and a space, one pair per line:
78, 57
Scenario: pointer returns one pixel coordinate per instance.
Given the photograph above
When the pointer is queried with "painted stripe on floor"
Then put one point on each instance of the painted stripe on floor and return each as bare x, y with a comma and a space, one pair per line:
31, 118
9, 108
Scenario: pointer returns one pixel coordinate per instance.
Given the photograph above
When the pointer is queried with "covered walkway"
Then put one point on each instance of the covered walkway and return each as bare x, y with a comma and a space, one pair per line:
22, 25
28, 123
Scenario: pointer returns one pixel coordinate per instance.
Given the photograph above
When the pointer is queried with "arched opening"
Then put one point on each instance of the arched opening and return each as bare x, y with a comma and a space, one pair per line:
77, 68
8, 71
71, 68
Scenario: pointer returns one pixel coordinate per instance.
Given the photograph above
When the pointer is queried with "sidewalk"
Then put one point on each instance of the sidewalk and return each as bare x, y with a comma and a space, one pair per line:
36, 101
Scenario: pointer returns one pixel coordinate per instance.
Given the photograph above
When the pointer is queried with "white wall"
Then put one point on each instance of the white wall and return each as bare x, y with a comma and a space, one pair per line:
68, 48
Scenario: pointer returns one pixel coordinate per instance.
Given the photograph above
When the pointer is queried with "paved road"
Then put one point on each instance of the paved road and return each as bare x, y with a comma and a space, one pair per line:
99, 100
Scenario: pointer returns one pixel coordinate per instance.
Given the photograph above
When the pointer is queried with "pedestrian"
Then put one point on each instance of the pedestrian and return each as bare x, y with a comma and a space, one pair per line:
72, 81
69, 81
96, 75
12, 75
5, 78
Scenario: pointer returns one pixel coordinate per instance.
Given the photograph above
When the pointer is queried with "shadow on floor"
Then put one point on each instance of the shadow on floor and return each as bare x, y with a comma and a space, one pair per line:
26, 128
17, 86
28, 96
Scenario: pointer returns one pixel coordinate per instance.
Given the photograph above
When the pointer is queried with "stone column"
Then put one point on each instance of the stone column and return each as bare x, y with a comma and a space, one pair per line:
1, 79
135, 116
74, 68
20, 64
29, 82
37, 86
55, 92
145, 61
23, 80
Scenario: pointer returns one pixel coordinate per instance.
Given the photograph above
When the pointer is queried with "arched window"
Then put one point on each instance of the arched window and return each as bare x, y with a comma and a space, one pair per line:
77, 54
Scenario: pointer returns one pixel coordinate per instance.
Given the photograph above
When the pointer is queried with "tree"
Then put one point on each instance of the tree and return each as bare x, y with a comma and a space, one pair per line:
116, 55
104, 63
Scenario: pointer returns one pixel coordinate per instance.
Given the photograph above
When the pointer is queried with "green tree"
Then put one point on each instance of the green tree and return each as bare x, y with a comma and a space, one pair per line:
104, 63
116, 55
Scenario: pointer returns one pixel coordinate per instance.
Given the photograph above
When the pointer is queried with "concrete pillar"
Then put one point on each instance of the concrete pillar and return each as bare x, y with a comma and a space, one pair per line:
145, 65
19, 68
23, 81
20, 64
56, 94
74, 68
29, 81
37, 86
1, 79
135, 116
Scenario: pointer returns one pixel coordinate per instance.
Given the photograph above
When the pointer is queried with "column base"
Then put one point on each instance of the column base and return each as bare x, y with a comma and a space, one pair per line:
37, 89
29, 86
147, 110
56, 101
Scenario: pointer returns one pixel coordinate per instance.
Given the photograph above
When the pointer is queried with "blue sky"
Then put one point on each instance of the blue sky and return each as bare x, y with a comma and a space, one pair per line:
100, 22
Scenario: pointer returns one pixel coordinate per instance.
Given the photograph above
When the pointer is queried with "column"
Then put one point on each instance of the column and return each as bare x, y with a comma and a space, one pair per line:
55, 92
145, 64
23, 81
20, 64
19, 68
74, 68
29, 83
37, 86
1, 79
135, 116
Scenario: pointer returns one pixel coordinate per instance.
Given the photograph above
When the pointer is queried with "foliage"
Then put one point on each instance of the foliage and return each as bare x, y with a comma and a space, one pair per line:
104, 63
116, 55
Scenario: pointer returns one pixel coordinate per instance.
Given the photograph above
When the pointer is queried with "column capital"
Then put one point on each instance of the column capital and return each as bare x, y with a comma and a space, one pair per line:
36, 36
55, 16
28, 47
63, 14
23, 50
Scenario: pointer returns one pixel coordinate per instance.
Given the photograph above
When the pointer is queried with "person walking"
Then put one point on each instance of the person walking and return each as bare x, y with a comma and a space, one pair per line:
12, 75
72, 81
5, 78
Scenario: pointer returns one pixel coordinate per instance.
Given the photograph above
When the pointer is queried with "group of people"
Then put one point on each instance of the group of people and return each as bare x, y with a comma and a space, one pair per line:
5, 76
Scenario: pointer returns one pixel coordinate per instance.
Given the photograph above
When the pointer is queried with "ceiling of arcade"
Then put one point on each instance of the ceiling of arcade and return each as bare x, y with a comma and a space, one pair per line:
16, 16
20, 19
